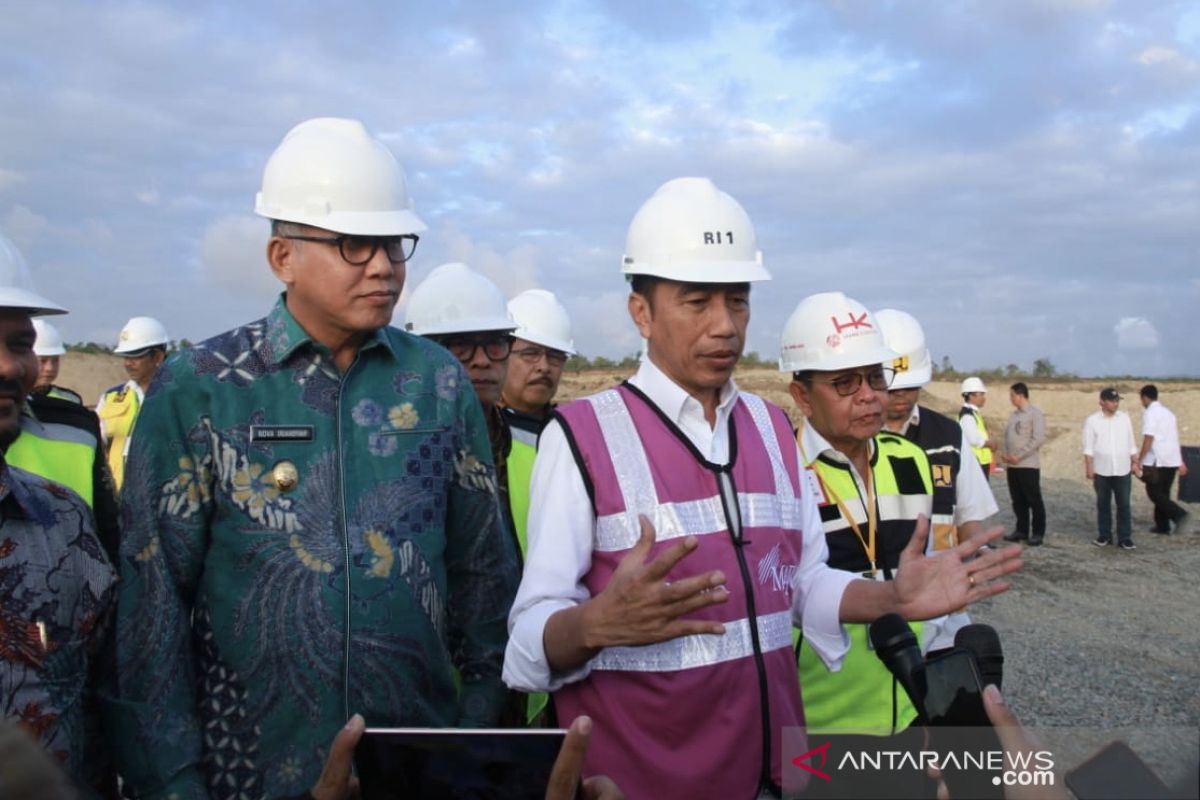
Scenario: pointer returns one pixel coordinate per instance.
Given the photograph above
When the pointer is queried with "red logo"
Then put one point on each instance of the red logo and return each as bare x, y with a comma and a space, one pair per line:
833, 340
823, 750
855, 322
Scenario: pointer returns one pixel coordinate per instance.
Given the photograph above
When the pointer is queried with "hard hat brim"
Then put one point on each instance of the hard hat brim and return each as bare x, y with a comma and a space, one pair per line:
545, 341
471, 325
700, 271
355, 223
913, 379
880, 355
15, 299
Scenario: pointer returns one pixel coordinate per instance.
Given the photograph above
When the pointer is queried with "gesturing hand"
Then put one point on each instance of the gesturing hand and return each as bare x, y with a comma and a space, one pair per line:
639, 605
564, 778
929, 586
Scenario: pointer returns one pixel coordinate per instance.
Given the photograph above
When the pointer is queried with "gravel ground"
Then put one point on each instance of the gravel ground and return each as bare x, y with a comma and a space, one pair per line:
1100, 638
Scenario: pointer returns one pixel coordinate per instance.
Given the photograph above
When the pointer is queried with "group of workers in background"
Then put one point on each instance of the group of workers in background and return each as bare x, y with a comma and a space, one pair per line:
326, 520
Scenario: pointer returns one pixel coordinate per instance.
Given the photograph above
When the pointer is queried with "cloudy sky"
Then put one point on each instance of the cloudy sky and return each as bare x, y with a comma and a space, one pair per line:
1023, 176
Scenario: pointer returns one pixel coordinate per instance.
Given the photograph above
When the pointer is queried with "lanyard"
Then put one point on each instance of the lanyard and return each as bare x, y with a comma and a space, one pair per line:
868, 543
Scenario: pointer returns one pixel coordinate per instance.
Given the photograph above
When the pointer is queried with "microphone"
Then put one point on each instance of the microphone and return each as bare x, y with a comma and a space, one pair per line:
896, 645
982, 642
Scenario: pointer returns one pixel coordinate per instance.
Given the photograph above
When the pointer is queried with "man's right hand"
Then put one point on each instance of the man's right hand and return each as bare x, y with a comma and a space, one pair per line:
640, 606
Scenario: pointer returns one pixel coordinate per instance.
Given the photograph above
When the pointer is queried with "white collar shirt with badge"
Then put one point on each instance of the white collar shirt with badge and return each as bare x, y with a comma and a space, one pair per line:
562, 523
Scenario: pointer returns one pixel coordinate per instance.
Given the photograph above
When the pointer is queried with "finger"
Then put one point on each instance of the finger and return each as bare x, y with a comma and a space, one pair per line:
686, 587
564, 776
645, 541
690, 627
602, 787
1013, 737
972, 546
335, 776
999, 570
696, 602
916, 545
665, 561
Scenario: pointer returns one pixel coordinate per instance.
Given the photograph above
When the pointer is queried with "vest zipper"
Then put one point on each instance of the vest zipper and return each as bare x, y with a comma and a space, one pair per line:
341, 471
734, 523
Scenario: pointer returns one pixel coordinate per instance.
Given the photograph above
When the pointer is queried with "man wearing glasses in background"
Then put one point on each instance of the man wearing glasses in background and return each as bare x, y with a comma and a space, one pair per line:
311, 527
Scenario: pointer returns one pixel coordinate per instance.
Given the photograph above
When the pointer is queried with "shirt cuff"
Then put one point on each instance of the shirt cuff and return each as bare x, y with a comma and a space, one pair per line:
526, 667
818, 614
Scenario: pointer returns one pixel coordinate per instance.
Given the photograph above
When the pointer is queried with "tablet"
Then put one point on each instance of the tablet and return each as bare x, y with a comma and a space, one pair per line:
456, 763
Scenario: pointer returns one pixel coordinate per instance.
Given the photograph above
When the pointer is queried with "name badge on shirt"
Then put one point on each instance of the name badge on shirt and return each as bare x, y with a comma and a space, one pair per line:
281, 433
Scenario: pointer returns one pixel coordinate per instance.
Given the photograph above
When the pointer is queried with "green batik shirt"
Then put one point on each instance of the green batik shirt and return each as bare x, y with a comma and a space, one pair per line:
298, 546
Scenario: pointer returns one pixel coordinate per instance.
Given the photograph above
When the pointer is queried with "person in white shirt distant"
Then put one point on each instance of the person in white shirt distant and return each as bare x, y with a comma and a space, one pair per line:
1109, 456
1160, 459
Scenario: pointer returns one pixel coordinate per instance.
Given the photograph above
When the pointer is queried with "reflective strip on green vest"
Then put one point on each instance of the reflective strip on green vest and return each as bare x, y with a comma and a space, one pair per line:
57, 452
520, 472
859, 698
984, 454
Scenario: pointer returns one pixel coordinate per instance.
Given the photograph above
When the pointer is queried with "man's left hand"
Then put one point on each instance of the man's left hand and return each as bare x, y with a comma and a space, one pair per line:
929, 586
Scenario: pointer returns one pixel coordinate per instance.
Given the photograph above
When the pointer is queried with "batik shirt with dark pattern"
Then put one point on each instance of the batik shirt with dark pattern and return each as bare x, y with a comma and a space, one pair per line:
56, 593
255, 616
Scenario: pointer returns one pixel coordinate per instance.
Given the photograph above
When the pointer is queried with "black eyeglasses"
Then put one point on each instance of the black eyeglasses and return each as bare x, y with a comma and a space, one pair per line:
358, 250
532, 355
879, 379
496, 348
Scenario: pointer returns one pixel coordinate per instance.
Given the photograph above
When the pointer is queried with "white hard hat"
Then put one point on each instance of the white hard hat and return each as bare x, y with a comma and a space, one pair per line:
972, 384
829, 331
689, 230
141, 333
456, 299
48, 341
16, 285
541, 319
332, 174
902, 333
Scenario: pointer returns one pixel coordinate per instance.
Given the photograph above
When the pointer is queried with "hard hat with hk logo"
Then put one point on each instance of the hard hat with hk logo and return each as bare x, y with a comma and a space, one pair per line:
829, 331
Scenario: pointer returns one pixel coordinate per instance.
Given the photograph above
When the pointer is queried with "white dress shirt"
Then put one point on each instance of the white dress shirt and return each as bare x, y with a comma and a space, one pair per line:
561, 526
1109, 441
970, 428
1158, 421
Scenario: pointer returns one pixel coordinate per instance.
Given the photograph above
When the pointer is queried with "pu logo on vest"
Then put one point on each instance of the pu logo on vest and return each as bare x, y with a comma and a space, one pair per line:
900, 364
942, 477
771, 569
718, 237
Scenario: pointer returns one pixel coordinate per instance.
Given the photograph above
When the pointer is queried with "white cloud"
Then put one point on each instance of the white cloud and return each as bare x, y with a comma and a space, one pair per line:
1136, 333
234, 255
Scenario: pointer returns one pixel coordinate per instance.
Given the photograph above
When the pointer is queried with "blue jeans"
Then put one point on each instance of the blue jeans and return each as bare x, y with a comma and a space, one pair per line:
1107, 487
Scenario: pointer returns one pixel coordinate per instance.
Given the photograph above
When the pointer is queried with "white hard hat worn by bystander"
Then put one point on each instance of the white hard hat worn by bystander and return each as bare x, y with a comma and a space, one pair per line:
541, 319
902, 333
141, 333
333, 174
49, 342
456, 299
829, 332
16, 285
691, 231
971, 385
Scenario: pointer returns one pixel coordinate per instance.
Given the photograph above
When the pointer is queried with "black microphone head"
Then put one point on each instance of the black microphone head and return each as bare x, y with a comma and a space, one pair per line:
890, 633
983, 643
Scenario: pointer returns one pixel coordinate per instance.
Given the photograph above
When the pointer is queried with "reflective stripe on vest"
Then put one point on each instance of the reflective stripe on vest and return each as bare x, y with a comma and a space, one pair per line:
520, 471
118, 414
860, 697
57, 452
984, 454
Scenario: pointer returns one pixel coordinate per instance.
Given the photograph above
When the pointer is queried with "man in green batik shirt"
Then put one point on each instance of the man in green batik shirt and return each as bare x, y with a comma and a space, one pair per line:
311, 513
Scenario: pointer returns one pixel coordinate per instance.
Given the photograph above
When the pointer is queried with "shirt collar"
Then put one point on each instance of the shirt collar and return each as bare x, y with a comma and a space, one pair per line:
814, 445
672, 399
14, 490
286, 335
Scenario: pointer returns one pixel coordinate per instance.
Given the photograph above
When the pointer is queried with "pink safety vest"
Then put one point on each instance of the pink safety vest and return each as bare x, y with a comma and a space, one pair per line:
687, 718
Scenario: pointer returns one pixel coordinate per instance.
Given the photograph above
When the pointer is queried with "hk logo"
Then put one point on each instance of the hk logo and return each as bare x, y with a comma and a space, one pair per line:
851, 323
801, 761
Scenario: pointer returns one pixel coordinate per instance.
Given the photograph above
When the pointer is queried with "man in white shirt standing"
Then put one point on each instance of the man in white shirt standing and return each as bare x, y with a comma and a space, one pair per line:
1109, 456
673, 541
1160, 459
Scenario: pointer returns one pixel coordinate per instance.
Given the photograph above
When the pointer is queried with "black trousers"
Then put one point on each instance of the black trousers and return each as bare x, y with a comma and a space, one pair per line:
1158, 488
1025, 489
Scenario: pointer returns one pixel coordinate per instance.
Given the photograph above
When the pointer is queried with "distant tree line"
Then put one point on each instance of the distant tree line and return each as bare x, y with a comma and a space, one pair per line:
96, 347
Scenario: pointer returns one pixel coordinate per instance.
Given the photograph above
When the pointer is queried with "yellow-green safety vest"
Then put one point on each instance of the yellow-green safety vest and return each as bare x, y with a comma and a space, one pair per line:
863, 697
118, 414
520, 472
57, 452
984, 454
